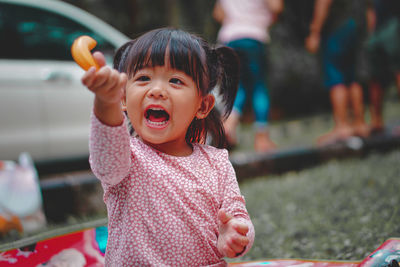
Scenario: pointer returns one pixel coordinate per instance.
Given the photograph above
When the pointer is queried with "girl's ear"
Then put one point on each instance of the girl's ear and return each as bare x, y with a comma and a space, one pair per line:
123, 100
206, 106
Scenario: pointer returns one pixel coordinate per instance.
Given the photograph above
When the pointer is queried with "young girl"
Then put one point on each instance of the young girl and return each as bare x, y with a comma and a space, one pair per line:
171, 199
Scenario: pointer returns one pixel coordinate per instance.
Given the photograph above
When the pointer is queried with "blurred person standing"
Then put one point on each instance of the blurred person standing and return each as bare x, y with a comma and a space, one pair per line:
244, 27
383, 48
336, 30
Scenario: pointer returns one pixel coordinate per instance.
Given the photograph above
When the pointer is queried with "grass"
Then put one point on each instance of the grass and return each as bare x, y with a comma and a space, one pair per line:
340, 210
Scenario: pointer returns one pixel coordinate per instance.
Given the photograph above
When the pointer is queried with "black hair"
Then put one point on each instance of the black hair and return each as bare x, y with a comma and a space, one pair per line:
211, 68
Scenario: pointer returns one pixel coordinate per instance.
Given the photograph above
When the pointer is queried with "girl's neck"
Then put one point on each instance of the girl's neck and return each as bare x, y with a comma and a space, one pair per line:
172, 149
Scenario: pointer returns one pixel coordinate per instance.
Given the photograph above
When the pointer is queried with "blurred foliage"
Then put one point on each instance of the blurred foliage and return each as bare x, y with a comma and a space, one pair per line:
293, 75
134, 17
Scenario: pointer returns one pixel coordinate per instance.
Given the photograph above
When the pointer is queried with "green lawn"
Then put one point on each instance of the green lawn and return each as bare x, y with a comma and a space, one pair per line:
339, 210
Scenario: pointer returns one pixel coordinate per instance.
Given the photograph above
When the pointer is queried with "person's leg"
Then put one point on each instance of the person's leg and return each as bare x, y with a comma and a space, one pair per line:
262, 140
230, 127
360, 128
380, 78
398, 82
232, 122
339, 97
376, 104
396, 129
350, 60
335, 49
261, 105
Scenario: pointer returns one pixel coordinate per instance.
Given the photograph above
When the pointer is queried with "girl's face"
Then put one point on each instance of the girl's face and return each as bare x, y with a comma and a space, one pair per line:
161, 102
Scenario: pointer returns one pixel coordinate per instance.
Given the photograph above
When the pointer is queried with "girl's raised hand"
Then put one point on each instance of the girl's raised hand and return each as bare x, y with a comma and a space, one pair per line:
232, 239
106, 83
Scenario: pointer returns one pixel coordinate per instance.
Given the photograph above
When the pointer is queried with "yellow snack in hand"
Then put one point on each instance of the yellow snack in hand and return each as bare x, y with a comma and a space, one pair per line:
80, 51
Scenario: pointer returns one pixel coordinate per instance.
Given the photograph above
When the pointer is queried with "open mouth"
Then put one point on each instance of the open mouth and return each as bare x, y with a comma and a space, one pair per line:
156, 116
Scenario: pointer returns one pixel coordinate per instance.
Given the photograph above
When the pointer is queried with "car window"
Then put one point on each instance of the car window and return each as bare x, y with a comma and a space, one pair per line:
32, 33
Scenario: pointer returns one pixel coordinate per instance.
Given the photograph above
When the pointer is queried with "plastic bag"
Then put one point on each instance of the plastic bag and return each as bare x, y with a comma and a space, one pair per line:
20, 196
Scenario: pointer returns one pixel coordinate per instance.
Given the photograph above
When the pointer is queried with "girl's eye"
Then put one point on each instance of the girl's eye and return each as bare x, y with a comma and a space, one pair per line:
175, 81
143, 78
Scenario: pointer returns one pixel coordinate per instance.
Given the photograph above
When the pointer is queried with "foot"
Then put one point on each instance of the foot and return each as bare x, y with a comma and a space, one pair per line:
262, 142
334, 136
362, 130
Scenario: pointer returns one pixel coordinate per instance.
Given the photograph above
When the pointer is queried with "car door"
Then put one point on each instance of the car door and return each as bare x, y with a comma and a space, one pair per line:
44, 107
21, 108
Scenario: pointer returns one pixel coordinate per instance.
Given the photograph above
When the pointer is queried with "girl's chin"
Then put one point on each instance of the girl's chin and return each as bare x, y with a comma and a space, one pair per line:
152, 139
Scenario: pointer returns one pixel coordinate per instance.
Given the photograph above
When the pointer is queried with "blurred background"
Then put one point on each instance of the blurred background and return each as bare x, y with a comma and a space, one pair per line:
342, 209
292, 70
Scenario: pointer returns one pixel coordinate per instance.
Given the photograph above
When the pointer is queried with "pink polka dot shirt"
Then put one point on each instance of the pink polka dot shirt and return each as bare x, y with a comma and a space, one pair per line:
162, 209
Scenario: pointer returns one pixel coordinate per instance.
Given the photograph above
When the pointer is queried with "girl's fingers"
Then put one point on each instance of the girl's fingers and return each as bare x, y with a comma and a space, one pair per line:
94, 80
234, 246
111, 81
241, 240
116, 82
234, 234
106, 80
100, 59
102, 76
88, 77
122, 80
122, 83
241, 228
229, 252
106, 83
116, 92
224, 217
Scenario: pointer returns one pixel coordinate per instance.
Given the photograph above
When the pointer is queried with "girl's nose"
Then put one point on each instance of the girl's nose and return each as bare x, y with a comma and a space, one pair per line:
157, 92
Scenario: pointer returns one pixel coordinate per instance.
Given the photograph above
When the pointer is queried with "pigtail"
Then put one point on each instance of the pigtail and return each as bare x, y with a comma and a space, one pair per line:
228, 77
216, 129
223, 73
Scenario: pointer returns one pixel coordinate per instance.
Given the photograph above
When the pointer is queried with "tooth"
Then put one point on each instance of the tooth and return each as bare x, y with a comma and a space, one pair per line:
157, 123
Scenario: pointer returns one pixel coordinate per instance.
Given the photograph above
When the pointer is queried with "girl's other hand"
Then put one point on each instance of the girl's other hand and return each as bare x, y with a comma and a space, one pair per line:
232, 239
106, 83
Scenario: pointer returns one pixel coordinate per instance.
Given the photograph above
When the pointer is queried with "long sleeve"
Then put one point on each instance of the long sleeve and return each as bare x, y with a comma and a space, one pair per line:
233, 202
109, 149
